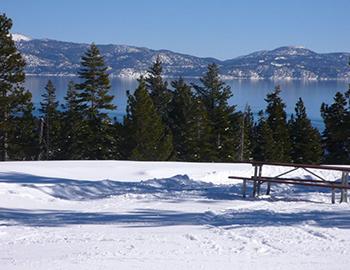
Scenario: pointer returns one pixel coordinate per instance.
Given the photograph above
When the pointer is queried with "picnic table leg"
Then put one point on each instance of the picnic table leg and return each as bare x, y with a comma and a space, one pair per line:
244, 188
259, 182
255, 180
333, 196
268, 188
344, 191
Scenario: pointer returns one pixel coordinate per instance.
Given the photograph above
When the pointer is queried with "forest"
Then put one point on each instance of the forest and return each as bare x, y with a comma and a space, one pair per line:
176, 121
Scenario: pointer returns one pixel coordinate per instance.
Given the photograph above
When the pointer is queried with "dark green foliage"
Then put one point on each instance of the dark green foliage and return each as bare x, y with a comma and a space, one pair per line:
189, 124
277, 121
94, 102
147, 136
223, 121
204, 126
158, 90
264, 143
50, 129
336, 135
15, 103
122, 140
347, 125
305, 139
72, 126
25, 136
246, 134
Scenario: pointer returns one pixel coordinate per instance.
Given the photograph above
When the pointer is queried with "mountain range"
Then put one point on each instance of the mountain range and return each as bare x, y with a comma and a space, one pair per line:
60, 58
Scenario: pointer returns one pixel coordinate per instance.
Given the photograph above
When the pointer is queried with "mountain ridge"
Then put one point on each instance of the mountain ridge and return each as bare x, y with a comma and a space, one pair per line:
62, 58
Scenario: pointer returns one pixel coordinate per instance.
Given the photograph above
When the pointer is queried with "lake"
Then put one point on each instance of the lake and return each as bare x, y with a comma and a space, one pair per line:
252, 92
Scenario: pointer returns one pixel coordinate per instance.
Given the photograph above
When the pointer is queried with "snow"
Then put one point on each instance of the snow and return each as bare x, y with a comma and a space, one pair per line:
277, 64
164, 215
19, 37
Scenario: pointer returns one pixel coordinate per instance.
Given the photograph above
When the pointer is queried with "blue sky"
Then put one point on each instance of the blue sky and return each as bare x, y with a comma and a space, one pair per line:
218, 28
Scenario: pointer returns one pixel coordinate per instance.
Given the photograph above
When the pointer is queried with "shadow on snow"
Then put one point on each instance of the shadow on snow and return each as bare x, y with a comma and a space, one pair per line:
159, 218
174, 189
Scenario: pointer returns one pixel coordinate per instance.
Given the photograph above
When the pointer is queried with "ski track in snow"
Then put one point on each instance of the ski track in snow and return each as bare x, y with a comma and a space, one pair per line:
165, 215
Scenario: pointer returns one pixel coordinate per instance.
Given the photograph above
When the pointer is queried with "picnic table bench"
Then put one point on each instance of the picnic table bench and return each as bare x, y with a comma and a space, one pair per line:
258, 179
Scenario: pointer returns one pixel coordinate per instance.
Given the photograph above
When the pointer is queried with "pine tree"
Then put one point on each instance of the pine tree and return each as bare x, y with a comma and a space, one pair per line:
336, 133
189, 124
158, 90
15, 101
72, 126
50, 136
94, 103
264, 145
277, 121
246, 133
347, 124
223, 121
25, 136
148, 139
305, 139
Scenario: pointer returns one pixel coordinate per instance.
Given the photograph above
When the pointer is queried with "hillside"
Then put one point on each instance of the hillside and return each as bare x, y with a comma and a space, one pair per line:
52, 57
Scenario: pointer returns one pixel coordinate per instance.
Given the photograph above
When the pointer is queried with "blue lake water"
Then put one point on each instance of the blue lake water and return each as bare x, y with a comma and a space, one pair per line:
251, 92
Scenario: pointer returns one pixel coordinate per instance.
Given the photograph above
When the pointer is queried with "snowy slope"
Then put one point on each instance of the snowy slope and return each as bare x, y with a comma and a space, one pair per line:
163, 215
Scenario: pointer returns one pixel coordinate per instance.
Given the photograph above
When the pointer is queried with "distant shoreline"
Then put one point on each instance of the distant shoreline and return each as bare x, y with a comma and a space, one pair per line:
198, 77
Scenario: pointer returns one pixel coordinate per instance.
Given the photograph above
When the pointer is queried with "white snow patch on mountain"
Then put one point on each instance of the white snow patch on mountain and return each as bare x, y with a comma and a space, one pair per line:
19, 37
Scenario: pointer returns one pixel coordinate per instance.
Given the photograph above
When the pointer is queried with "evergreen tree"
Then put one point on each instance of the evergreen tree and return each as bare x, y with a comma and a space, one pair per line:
94, 102
264, 145
15, 102
72, 126
158, 90
246, 133
347, 123
189, 124
50, 136
305, 139
148, 137
277, 121
223, 121
336, 133
25, 136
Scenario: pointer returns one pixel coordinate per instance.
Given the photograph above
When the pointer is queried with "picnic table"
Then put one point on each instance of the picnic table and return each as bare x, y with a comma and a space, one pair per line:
319, 181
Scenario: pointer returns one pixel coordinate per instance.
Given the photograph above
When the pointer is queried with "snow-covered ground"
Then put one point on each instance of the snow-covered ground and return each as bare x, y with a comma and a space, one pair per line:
163, 215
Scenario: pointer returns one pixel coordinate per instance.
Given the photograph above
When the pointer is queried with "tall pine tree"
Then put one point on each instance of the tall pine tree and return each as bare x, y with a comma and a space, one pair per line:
148, 139
94, 103
158, 90
277, 121
15, 102
246, 134
263, 142
336, 133
223, 121
305, 139
50, 131
189, 124
72, 126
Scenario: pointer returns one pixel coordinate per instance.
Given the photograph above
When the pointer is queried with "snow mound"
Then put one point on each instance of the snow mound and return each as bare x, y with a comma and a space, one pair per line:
177, 182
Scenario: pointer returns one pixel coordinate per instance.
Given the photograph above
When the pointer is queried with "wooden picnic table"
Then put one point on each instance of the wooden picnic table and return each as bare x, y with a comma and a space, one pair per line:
258, 179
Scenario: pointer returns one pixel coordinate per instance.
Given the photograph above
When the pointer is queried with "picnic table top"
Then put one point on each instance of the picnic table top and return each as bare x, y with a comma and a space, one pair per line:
342, 168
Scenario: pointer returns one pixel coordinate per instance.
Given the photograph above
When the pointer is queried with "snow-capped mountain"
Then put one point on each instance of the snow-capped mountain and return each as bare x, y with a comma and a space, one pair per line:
289, 63
52, 57
19, 37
